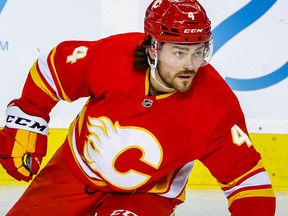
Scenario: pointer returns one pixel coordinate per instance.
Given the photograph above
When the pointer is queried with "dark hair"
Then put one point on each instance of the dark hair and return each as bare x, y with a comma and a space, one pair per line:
140, 54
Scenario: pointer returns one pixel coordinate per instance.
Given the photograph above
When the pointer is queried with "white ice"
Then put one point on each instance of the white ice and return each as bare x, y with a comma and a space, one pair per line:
199, 202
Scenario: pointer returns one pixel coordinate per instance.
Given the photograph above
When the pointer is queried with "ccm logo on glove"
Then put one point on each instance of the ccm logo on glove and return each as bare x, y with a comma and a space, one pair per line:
25, 122
16, 118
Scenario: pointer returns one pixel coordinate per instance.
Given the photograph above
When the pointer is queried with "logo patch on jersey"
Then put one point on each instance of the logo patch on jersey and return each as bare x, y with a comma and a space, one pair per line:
147, 102
109, 146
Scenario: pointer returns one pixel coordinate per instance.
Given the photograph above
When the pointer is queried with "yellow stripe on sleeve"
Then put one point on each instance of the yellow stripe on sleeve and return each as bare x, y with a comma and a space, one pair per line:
267, 192
39, 82
233, 183
65, 97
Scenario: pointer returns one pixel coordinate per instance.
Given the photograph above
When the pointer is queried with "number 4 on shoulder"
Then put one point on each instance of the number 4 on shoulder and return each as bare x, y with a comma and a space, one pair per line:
239, 136
78, 53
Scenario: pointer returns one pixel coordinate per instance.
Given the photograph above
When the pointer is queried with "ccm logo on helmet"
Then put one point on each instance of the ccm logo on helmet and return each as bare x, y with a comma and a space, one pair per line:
25, 122
193, 31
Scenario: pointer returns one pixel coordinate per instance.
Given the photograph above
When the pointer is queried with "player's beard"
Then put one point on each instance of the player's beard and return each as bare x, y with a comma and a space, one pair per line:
181, 81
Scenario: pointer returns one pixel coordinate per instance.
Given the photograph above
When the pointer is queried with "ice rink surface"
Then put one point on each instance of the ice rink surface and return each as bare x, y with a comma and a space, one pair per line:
199, 202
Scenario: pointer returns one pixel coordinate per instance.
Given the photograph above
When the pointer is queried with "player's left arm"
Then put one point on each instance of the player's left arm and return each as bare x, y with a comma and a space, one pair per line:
238, 167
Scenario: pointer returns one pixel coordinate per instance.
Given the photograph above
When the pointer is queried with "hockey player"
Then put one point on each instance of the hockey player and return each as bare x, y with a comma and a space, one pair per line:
155, 106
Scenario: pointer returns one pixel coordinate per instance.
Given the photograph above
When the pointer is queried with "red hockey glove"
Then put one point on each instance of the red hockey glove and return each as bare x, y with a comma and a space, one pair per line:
23, 143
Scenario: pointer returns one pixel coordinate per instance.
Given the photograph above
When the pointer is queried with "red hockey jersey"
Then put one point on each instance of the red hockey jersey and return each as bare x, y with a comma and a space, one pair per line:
128, 141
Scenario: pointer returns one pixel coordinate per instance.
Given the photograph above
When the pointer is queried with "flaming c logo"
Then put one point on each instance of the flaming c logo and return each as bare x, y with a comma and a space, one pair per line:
109, 141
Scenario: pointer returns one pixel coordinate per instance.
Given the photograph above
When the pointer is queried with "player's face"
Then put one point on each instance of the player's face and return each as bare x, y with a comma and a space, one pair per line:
178, 64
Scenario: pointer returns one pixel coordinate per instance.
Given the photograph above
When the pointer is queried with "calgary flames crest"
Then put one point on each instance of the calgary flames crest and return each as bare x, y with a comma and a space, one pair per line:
108, 141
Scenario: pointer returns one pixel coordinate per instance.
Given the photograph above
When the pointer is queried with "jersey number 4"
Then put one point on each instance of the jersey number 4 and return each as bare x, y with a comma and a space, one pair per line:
239, 136
78, 53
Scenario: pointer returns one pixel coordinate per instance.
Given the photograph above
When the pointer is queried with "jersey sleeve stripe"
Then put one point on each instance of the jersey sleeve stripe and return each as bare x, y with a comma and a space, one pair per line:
40, 82
45, 72
232, 184
244, 178
56, 77
254, 183
265, 192
260, 179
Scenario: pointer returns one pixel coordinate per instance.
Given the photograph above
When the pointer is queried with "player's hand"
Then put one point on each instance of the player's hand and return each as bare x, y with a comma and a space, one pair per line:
23, 143
21, 152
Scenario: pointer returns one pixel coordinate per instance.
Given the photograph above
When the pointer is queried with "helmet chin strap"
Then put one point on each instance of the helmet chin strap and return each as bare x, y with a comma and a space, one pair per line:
153, 72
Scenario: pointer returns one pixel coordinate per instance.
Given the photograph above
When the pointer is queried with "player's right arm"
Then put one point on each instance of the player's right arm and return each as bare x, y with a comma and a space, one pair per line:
60, 75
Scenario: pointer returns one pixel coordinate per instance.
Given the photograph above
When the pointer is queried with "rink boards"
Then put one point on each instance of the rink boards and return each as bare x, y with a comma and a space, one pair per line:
273, 149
